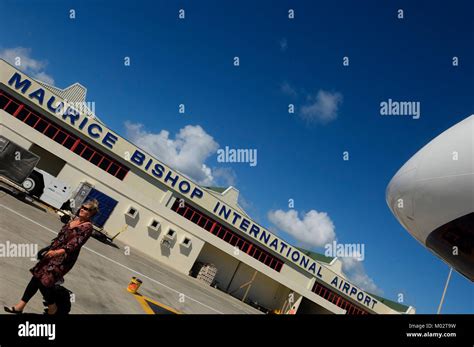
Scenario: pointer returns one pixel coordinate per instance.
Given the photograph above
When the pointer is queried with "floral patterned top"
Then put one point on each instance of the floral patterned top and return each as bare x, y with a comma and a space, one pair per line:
51, 270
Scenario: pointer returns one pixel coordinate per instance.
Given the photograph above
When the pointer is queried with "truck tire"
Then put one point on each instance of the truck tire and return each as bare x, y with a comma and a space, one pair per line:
34, 184
28, 184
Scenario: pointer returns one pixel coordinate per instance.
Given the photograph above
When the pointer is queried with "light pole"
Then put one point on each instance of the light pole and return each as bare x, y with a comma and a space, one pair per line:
444, 292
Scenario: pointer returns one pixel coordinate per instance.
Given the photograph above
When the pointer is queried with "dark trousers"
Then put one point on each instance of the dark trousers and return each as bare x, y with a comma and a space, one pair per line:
32, 289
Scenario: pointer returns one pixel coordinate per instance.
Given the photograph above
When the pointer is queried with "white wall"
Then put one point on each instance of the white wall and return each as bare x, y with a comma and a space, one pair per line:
14, 135
266, 291
226, 265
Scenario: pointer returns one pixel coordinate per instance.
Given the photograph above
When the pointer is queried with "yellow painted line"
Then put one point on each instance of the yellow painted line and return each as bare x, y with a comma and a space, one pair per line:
162, 305
144, 305
143, 300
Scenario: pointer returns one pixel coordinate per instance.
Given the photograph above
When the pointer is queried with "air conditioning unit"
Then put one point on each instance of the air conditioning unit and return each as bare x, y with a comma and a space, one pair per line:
154, 225
165, 243
186, 242
132, 212
170, 235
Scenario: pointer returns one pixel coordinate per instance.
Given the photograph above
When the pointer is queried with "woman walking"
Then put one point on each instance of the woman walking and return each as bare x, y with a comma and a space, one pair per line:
59, 260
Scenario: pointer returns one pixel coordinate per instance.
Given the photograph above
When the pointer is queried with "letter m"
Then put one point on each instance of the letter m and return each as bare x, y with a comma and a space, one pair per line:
24, 85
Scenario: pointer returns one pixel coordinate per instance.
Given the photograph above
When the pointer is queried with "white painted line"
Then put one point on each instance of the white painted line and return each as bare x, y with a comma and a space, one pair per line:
115, 262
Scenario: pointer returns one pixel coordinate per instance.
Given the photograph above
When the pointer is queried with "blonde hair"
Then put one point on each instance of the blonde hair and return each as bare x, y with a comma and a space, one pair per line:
93, 204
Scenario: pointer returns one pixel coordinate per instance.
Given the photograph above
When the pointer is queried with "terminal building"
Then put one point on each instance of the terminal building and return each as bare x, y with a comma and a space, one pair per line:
168, 216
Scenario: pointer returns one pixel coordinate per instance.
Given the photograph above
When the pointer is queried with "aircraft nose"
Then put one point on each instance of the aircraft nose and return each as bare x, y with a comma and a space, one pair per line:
400, 195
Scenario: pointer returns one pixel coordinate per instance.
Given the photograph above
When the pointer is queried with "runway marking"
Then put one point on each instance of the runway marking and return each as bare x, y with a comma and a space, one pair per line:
115, 262
145, 303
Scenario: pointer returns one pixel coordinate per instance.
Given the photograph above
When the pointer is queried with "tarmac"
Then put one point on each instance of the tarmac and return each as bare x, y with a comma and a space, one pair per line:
101, 275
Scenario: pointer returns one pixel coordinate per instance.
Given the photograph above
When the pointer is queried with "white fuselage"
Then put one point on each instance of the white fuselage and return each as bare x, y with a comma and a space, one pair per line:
432, 196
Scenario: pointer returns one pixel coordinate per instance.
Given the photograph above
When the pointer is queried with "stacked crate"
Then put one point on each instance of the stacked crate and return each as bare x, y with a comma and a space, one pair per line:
207, 273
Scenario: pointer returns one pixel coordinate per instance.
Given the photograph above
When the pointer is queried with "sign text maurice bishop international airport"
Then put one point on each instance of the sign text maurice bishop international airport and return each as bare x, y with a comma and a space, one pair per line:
96, 131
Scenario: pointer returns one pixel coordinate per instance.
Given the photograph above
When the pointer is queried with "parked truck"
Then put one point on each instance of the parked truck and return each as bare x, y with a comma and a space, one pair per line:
47, 188
16, 165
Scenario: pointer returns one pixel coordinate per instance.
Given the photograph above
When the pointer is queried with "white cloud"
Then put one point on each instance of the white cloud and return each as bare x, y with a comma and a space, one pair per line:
245, 204
355, 271
224, 176
283, 44
187, 152
315, 229
321, 108
287, 89
20, 57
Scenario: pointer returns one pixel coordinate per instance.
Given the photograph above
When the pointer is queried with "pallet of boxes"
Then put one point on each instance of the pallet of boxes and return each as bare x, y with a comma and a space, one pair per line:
206, 272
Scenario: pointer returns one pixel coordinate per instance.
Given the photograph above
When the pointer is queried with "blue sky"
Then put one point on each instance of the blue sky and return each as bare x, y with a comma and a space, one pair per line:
191, 62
